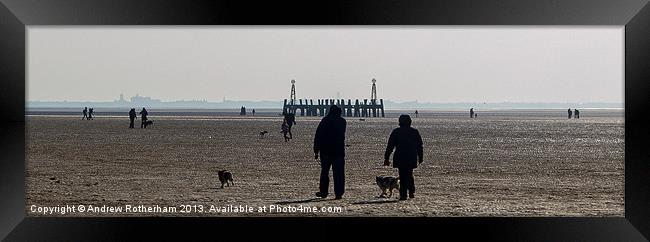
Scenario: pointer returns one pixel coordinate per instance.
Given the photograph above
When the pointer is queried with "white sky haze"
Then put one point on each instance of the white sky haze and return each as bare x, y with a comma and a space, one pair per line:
428, 64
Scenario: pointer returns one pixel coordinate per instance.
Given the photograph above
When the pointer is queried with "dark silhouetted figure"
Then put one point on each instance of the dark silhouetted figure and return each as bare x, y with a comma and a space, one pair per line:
91, 111
242, 111
285, 130
569, 112
85, 112
416, 113
576, 113
132, 116
253, 112
290, 118
471, 113
143, 117
407, 143
329, 141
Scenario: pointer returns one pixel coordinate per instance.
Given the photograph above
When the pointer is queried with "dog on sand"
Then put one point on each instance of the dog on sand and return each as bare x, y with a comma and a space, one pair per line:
148, 123
387, 184
262, 133
225, 177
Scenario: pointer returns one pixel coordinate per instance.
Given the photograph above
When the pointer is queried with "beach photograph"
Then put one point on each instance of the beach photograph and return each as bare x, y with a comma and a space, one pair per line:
325, 122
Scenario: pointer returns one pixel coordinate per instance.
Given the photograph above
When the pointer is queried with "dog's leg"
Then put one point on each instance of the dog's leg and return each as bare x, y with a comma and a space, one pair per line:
391, 192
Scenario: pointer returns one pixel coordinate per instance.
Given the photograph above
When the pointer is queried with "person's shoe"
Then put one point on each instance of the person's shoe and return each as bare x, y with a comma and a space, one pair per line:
411, 195
321, 195
338, 197
402, 198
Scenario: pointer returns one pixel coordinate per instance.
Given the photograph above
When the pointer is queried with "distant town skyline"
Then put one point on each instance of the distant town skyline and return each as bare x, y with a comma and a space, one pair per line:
427, 64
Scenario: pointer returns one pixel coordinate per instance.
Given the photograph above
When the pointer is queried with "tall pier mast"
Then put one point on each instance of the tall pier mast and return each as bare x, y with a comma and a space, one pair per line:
373, 95
293, 93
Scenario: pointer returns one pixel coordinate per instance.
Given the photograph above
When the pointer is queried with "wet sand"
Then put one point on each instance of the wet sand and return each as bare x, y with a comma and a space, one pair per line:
496, 165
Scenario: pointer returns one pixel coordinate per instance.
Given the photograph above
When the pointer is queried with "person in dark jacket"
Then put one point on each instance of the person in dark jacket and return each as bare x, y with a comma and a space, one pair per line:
290, 118
285, 131
85, 112
329, 141
407, 143
132, 116
143, 118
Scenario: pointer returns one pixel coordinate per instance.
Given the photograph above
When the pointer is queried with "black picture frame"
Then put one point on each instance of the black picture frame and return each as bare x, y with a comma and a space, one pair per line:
17, 15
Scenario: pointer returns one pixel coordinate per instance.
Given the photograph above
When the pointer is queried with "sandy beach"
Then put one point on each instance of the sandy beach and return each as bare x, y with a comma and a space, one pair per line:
529, 164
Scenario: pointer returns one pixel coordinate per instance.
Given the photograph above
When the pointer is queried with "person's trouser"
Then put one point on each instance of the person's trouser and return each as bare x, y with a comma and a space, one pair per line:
338, 170
132, 124
407, 182
142, 124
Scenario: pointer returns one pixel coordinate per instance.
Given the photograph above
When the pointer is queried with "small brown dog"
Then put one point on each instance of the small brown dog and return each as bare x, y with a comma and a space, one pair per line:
225, 177
262, 133
387, 184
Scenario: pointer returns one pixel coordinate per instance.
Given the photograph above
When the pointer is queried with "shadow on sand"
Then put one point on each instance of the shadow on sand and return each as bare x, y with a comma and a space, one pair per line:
324, 199
301, 201
375, 202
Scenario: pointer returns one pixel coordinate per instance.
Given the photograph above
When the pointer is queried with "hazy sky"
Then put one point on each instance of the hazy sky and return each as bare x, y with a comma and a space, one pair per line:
428, 64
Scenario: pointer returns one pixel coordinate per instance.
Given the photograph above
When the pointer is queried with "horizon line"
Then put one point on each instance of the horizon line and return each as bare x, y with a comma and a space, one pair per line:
282, 100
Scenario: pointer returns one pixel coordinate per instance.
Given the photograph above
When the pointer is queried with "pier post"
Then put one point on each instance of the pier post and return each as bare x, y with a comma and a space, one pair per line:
349, 114
323, 108
364, 110
381, 101
284, 106
302, 108
356, 108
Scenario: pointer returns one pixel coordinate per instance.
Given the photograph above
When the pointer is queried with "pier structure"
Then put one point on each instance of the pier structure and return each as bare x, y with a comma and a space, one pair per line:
372, 107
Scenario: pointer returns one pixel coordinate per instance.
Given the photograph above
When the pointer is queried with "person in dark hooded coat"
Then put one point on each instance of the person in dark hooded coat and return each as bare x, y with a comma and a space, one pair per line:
407, 143
329, 141
144, 119
132, 116
85, 112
